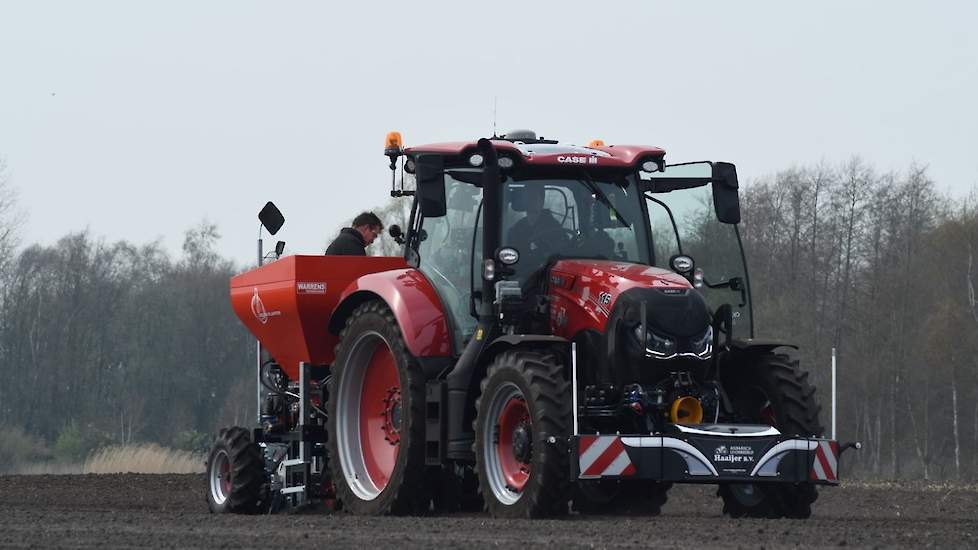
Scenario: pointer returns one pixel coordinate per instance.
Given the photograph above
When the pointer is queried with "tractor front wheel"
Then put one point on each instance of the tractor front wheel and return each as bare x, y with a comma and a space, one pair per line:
235, 474
376, 418
771, 389
521, 430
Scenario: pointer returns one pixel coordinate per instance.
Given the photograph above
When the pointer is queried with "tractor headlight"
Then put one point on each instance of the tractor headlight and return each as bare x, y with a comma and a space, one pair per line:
655, 345
682, 264
703, 345
663, 347
508, 255
649, 166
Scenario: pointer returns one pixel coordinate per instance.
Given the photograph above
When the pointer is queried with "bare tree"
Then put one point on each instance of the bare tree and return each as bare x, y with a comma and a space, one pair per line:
396, 211
137, 346
12, 217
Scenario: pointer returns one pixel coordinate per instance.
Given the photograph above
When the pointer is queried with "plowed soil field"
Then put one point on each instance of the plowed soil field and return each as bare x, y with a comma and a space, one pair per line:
169, 511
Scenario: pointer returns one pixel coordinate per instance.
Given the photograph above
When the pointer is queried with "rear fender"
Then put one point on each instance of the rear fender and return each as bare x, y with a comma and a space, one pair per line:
413, 300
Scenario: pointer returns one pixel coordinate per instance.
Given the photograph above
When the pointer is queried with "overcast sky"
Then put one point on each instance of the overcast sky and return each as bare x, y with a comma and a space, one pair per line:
138, 120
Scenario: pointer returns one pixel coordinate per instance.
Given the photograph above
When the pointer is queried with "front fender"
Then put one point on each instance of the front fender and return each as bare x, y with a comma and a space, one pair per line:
759, 345
414, 302
507, 341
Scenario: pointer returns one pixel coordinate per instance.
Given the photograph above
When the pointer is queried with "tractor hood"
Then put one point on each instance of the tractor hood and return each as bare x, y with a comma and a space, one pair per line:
586, 293
600, 303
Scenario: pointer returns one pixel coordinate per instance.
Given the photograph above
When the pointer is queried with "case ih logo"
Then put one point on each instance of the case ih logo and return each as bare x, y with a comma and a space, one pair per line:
258, 308
566, 159
310, 288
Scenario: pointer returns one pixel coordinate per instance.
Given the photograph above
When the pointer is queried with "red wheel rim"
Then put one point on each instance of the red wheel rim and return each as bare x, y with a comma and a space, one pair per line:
380, 403
226, 476
514, 419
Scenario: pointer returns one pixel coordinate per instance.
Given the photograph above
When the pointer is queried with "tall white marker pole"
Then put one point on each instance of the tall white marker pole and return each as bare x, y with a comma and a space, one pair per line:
261, 260
833, 393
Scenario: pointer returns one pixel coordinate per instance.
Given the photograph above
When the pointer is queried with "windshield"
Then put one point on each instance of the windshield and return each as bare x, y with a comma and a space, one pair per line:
683, 221
575, 217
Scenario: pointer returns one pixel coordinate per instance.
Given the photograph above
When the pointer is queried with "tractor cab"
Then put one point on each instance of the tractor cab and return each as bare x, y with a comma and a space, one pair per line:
618, 205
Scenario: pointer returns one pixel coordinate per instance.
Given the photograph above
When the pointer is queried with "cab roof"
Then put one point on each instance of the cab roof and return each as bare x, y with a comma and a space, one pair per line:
550, 153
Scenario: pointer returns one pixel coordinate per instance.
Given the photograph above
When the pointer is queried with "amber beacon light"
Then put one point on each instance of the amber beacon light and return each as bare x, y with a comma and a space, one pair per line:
393, 144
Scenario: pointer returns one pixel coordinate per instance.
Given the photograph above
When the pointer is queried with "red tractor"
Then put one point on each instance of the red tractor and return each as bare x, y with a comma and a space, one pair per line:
567, 328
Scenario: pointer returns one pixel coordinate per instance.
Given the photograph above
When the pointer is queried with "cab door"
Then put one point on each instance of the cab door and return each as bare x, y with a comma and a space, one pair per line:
445, 248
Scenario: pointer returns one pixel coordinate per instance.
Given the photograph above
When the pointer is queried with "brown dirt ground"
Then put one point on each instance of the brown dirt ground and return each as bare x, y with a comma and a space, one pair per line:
169, 511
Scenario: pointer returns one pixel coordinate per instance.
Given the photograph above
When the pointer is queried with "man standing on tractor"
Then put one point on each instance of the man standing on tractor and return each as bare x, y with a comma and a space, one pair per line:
353, 241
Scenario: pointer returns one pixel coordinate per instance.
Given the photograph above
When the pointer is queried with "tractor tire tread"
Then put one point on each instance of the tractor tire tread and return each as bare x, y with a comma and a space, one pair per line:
247, 472
412, 498
548, 388
799, 415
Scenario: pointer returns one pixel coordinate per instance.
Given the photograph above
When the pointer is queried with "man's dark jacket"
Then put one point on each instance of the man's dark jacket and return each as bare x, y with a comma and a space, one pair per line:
349, 243
538, 240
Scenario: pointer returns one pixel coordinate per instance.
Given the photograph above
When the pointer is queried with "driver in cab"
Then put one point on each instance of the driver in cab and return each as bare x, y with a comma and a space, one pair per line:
538, 235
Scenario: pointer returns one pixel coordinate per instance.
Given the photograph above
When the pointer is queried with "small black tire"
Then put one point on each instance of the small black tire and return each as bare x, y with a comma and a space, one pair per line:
772, 388
399, 489
535, 381
236, 481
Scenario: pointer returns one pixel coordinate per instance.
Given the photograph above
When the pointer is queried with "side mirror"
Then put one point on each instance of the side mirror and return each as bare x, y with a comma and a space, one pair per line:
431, 185
726, 201
395, 232
279, 249
271, 218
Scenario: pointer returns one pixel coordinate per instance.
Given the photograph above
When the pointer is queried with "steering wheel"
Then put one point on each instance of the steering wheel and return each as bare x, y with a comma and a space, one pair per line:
547, 240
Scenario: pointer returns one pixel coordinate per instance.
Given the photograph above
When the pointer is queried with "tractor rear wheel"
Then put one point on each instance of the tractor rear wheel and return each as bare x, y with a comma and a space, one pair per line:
235, 474
376, 418
771, 389
521, 430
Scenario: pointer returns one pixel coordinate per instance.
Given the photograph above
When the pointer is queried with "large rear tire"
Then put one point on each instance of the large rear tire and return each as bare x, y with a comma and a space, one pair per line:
235, 474
521, 431
376, 418
771, 389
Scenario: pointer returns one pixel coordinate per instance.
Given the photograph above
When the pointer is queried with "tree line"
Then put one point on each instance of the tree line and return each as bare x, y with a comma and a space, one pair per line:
120, 342
882, 267
114, 343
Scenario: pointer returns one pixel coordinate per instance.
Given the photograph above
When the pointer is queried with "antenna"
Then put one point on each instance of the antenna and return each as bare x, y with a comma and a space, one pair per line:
494, 98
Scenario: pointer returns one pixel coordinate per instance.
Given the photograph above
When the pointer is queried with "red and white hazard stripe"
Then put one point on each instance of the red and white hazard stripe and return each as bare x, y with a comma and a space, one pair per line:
603, 455
826, 464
